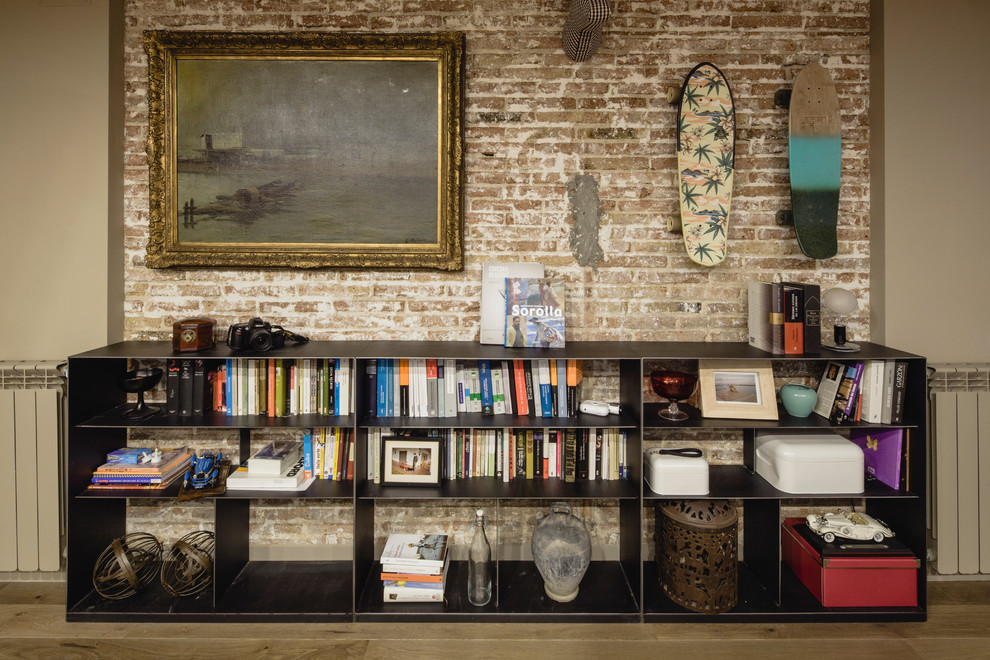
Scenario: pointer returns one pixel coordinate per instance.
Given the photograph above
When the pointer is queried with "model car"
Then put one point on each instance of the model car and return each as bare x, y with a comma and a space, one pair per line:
856, 526
203, 470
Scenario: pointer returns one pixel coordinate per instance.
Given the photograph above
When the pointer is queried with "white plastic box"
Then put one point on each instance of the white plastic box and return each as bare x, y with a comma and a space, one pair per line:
809, 463
669, 474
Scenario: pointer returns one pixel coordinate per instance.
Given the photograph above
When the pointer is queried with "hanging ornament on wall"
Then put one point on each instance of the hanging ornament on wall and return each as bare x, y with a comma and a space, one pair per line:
583, 30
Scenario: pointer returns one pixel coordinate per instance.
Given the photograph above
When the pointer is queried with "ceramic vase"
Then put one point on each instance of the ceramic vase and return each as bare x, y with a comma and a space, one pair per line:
799, 400
562, 550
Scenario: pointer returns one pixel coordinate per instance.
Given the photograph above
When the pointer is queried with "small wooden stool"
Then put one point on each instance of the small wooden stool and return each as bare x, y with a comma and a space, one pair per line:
695, 542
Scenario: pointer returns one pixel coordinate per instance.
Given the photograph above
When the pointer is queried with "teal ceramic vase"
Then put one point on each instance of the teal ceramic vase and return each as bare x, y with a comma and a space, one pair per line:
799, 400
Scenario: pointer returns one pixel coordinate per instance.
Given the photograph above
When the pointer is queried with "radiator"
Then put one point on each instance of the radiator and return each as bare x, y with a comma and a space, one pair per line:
31, 442
960, 425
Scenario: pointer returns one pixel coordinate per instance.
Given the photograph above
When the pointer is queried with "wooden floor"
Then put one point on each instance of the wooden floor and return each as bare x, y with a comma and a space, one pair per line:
32, 625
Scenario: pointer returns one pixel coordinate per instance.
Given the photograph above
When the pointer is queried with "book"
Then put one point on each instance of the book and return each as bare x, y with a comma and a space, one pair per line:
828, 387
168, 461
811, 317
845, 396
292, 478
758, 324
793, 320
129, 455
414, 553
882, 453
487, 394
493, 276
888, 392
899, 392
275, 458
777, 317
534, 313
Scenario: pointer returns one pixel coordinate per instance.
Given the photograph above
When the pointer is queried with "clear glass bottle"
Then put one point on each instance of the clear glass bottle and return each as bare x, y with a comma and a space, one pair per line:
479, 564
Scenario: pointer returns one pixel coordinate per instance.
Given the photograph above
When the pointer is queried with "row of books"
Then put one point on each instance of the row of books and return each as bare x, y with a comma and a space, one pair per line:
871, 391
785, 318
445, 388
145, 468
414, 568
273, 387
573, 455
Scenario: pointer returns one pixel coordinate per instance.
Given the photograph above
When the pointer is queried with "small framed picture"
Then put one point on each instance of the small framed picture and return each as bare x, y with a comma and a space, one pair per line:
737, 389
411, 461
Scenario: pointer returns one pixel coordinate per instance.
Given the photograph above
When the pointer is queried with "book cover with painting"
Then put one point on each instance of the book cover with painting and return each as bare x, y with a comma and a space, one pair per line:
534, 312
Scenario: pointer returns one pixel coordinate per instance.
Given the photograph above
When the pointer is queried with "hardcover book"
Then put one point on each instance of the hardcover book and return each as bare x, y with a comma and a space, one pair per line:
534, 313
292, 478
275, 458
882, 453
493, 276
414, 553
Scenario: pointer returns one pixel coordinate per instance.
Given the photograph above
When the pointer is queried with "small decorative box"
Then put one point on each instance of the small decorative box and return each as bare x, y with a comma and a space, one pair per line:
192, 335
676, 472
805, 463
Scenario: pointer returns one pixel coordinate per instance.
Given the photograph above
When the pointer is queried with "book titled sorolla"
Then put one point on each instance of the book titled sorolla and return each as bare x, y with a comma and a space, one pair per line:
882, 452
534, 312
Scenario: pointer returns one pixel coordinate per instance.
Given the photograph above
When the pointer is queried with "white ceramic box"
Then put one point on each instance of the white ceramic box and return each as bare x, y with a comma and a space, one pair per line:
809, 463
670, 474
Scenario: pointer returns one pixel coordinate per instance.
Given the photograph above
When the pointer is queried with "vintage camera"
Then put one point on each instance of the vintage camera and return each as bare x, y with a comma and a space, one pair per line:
256, 335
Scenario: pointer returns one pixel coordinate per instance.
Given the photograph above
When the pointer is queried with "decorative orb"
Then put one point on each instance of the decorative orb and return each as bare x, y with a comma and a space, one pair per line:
127, 566
188, 565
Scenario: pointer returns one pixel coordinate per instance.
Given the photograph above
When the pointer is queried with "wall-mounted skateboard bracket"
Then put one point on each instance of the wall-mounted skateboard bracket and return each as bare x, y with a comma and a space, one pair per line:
674, 95
782, 98
785, 218
674, 224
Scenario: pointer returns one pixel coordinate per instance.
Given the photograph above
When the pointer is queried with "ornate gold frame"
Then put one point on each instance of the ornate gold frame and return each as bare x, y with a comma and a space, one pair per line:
165, 48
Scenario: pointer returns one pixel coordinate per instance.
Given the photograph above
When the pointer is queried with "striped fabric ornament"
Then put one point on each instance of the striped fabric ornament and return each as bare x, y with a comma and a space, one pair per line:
583, 30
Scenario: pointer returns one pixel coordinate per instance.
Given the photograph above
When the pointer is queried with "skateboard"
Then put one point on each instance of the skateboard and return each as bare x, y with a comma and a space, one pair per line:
705, 163
815, 160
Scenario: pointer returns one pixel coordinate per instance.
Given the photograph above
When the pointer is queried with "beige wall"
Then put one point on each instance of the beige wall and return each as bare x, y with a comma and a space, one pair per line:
53, 169
937, 231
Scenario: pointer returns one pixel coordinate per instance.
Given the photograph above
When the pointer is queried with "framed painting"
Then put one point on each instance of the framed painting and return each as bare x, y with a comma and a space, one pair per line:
411, 461
737, 389
305, 150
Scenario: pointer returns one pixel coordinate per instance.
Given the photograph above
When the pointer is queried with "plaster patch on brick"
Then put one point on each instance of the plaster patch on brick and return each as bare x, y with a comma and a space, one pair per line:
586, 209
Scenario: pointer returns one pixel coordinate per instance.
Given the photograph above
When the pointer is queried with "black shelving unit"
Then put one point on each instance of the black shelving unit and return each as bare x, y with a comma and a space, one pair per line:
624, 589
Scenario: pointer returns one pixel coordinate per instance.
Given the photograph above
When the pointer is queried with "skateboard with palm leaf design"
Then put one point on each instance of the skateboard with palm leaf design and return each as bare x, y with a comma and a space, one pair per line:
705, 163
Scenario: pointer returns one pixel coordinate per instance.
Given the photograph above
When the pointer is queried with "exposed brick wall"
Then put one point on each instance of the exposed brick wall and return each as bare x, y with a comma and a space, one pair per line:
534, 121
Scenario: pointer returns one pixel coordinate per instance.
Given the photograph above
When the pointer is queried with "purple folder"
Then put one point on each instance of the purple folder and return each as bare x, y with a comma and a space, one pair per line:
882, 450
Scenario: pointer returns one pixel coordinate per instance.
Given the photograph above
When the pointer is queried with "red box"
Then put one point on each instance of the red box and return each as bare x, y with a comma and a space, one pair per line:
851, 580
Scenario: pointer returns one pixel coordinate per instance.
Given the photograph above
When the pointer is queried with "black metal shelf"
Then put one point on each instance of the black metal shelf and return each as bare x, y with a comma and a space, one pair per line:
331, 591
494, 488
736, 482
605, 594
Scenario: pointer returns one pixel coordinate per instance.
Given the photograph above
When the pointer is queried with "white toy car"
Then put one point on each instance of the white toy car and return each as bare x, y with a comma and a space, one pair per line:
856, 526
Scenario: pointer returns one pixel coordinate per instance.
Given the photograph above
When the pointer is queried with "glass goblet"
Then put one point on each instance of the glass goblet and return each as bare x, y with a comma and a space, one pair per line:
674, 386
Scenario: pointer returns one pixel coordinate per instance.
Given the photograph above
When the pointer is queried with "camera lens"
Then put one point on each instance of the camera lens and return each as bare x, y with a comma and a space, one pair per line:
261, 340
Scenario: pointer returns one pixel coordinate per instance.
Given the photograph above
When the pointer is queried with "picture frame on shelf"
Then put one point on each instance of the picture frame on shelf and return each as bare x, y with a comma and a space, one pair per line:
411, 461
737, 389
305, 150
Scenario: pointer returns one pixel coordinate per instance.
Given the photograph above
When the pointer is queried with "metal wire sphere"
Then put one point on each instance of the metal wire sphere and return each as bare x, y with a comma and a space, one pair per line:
127, 566
188, 566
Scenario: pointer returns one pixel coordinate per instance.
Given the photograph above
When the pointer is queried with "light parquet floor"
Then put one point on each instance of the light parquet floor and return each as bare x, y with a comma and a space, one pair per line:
32, 625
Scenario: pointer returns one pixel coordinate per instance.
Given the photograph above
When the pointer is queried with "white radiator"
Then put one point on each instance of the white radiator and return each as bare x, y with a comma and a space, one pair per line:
31, 490
960, 419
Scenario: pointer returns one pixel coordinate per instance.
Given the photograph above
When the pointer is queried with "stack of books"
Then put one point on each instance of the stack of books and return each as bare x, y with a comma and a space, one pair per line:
414, 568
277, 466
132, 467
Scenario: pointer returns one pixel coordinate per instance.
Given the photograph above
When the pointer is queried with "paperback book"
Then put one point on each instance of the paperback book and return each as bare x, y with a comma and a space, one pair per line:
493, 279
883, 450
414, 553
293, 478
534, 313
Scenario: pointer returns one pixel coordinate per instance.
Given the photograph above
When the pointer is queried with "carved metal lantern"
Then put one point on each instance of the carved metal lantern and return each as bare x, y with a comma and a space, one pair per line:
696, 543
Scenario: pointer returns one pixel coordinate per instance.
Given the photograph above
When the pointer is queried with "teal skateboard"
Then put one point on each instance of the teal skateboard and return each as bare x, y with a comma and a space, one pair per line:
815, 159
